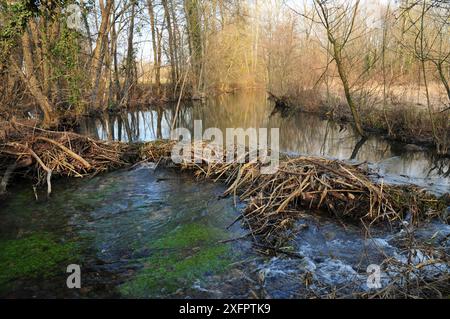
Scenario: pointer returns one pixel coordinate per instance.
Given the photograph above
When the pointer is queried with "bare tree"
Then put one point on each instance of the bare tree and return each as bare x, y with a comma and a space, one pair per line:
338, 22
156, 46
100, 48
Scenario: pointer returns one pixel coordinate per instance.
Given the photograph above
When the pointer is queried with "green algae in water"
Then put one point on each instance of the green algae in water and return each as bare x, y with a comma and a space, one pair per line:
182, 256
188, 236
38, 255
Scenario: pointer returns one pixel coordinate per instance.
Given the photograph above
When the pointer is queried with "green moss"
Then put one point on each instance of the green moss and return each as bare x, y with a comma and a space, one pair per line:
189, 235
172, 271
38, 255
182, 256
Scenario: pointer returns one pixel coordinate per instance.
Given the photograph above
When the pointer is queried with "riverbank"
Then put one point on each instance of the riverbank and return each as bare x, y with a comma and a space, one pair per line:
402, 122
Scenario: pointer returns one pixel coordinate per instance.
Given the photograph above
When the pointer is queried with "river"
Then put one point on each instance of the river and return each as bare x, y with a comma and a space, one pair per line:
155, 233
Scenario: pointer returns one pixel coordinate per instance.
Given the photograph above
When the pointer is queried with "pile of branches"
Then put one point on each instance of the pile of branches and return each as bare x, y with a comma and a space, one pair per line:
275, 201
43, 154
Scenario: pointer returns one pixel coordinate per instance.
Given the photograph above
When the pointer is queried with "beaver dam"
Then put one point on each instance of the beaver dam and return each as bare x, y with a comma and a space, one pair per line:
92, 93
273, 206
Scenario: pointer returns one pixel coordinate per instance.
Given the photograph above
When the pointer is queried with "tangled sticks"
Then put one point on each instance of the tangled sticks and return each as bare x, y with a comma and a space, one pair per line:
274, 201
58, 153
307, 183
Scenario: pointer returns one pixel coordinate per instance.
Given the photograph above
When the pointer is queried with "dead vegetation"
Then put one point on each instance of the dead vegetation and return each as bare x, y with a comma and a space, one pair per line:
276, 201
50, 153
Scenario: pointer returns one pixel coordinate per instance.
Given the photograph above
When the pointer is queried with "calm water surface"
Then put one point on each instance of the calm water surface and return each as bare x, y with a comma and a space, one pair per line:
299, 134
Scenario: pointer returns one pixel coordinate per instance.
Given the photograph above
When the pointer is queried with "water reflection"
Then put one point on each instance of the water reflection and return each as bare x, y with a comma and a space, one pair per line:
299, 134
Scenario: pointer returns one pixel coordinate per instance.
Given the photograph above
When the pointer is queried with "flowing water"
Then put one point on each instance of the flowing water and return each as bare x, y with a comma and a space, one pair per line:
146, 232
127, 229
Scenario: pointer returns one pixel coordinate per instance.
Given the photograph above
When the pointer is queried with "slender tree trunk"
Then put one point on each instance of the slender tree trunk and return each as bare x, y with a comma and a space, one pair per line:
195, 36
32, 83
176, 39
117, 89
86, 25
171, 44
443, 79
338, 46
256, 38
129, 75
424, 73
155, 43
383, 65
346, 85
98, 56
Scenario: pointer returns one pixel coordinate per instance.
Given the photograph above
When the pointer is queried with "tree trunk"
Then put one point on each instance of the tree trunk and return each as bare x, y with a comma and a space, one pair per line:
97, 60
176, 39
116, 89
156, 51
130, 60
171, 44
194, 34
443, 79
346, 85
32, 83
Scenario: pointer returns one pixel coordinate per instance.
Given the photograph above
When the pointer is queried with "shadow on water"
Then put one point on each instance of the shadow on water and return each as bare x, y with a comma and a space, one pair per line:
302, 133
